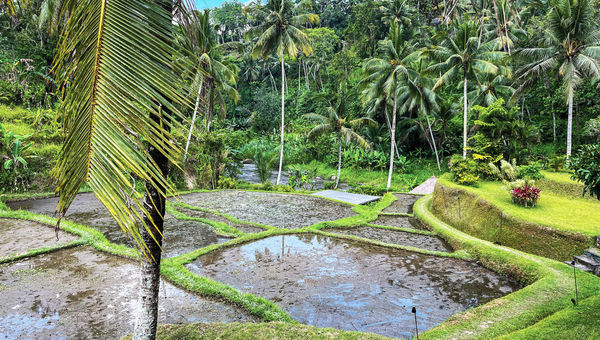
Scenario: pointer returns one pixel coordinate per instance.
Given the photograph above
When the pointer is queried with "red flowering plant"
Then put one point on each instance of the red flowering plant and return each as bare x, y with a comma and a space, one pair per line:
524, 193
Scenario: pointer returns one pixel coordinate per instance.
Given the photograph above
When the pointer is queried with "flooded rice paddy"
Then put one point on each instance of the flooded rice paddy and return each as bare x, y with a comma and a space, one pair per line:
80, 293
319, 280
396, 237
289, 211
19, 236
329, 282
404, 204
181, 236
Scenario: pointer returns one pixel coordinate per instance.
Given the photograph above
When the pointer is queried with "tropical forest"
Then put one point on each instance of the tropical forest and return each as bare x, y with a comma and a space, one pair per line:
299, 169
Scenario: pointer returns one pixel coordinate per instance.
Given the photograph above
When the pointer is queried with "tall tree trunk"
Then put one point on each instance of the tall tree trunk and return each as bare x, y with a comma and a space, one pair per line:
437, 158
282, 119
339, 173
154, 203
570, 124
393, 143
196, 107
465, 116
389, 126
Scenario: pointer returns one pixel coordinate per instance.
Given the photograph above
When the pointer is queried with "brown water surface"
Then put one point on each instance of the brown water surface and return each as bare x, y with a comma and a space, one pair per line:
281, 210
79, 293
398, 237
330, 282
19, 236
181, 236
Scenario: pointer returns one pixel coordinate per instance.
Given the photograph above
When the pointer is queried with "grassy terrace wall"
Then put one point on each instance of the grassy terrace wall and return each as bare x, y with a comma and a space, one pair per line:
472, 214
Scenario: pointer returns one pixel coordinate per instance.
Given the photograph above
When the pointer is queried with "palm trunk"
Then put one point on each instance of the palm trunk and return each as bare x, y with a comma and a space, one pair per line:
570, 124
282, 119
393, 143
437, 158
339, 172
389, 125
465, 117
154, 203
196, 106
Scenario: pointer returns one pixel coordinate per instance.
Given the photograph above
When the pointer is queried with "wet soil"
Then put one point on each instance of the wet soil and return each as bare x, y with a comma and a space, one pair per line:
82, 294
404, 204
399, 221
245, 228
330, 282
181, 236
397, 237
280, 210
19, 236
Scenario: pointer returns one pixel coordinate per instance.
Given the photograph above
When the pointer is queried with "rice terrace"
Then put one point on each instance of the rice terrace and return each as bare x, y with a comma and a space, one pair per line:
299, 169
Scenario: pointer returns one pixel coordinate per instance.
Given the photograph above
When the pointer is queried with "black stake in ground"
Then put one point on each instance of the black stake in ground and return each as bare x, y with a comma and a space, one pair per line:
414, 311
459, 212
576, 300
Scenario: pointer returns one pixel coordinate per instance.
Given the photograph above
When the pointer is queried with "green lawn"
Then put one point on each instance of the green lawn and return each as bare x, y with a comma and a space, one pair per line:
553, 209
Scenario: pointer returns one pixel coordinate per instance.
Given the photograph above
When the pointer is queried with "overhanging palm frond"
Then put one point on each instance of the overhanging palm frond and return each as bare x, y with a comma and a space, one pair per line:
120, 100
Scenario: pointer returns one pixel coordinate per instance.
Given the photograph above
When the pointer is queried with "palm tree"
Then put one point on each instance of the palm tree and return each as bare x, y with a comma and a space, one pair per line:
120, 101
211, 76
570, 46
417, 93
463, 55
280, 32
382, 77
338, 122
489, 89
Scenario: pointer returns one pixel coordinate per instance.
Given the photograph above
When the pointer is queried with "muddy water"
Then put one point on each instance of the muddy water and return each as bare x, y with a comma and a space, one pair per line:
19, 236
280, 210
399, 221
180, 236
404, 204
245, 228
329, 282
82, 294
397, 237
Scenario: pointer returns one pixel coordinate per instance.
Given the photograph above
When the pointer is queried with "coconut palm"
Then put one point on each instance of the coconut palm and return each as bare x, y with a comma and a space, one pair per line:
416, 94
489, 89
571, 47
382, 76
280, 32
212, 77
120, 100
462, 55
337, 121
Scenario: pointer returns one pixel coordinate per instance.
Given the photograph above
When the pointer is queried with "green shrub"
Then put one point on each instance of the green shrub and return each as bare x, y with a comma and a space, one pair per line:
557, 163
227, 183
464, 171
369, 190
531, 171
586, 164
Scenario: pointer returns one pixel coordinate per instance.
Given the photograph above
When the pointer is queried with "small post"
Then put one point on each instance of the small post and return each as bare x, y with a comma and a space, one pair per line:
459, 212
576, 300
414, 311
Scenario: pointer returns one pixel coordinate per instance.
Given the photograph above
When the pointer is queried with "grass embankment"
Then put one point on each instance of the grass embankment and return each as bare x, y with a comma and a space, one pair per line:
244, 331
559, 227
401, 182
542, 309
561, 183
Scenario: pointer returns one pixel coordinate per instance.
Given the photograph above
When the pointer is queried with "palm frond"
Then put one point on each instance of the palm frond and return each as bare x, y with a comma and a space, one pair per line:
120, 100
